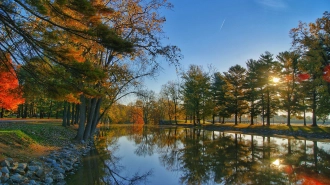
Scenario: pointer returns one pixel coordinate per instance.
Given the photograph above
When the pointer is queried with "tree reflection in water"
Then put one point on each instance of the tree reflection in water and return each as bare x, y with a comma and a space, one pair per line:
102, 166
213, 157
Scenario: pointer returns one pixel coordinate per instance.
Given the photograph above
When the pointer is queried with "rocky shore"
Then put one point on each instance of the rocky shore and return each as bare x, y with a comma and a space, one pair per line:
50, 169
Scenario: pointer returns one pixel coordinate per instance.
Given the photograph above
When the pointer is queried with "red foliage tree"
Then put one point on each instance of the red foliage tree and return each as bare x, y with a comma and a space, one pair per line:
10, 90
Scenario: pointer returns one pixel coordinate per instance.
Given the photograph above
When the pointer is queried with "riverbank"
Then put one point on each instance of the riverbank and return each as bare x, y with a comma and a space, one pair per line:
298, 131
38, 152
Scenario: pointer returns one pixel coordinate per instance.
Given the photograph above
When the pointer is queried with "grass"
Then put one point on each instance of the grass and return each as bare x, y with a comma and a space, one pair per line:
27, 140
294, 127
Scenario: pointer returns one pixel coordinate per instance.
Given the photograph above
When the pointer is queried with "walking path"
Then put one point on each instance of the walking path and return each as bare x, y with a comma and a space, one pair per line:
11, 120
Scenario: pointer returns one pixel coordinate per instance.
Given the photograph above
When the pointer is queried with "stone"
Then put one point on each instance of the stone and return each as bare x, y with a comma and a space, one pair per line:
11, 160
40, 173
4, 177
57, 176
14, 166
33, 168
16, 178
4, 170
48, 180
20, 171
5, 163
32, 182
22, 165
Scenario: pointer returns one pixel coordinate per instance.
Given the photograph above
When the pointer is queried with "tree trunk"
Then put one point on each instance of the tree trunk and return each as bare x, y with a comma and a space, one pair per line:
50, 109
175, 117
68, 115
25, 111
82, 118
72, 114
2, 112
314, 108
76, 120
91, 111
289, 111
64, 120
96, 116
268, 108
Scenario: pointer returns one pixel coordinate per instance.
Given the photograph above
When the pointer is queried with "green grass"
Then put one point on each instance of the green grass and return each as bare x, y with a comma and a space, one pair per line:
15, 137
306, 129
48, 134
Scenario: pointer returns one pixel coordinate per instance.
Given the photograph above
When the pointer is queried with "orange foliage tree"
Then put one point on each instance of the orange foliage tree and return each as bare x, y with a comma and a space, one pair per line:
10, 91
137, 115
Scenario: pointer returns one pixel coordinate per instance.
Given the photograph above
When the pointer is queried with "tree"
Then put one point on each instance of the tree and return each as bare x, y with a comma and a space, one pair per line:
146, 101
170, 91
10, 90
136, 114
268, 72
235, 78
252, 88
313, 43
196, 92
289, 86
99, 49
218, 90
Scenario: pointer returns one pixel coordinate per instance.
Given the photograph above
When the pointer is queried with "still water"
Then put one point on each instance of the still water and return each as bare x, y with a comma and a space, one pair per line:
170, 156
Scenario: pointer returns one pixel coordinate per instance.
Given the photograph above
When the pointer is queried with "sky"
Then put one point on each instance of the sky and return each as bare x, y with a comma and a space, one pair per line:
223, 33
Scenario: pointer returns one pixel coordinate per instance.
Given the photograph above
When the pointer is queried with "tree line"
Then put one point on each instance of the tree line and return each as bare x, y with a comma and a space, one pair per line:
294, 82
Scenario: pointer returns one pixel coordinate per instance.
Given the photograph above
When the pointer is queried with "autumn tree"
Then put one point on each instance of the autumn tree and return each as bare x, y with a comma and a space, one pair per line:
170, 91
10, 90
313, 43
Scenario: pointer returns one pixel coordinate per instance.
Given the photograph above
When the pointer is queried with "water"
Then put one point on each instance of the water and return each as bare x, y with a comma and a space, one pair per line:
170, 156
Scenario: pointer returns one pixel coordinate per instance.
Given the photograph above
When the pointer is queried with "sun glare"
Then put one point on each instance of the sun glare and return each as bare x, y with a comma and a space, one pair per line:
276, 162
275, 80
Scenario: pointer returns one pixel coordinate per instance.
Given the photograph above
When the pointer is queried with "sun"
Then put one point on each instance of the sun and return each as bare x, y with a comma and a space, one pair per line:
276, 80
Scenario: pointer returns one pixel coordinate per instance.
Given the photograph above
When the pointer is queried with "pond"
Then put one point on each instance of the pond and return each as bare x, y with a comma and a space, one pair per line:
171, 155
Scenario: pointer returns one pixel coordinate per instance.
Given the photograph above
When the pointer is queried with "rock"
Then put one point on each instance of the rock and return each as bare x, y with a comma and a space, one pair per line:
22, 165
16, 178
5, 163
40, 173
4, 170
14, 166
4, 177
32, 182
48, 180
57, 176
20, 171
51, 169
33, 168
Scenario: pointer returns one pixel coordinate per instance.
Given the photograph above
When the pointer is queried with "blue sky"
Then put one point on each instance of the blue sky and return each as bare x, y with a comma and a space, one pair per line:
224, 33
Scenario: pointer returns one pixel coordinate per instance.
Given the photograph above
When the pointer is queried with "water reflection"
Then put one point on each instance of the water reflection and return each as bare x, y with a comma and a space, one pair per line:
196, 156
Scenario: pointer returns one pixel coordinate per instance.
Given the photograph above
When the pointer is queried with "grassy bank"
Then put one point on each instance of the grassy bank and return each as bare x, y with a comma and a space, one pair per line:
26, 140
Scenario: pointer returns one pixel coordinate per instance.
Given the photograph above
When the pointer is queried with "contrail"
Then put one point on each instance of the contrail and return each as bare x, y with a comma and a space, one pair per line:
222, 24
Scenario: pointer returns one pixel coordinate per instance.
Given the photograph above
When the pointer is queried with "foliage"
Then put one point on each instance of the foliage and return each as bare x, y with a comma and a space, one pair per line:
10, 90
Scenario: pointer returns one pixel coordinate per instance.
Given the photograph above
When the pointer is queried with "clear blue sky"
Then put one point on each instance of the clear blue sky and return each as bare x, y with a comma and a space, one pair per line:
229, 32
